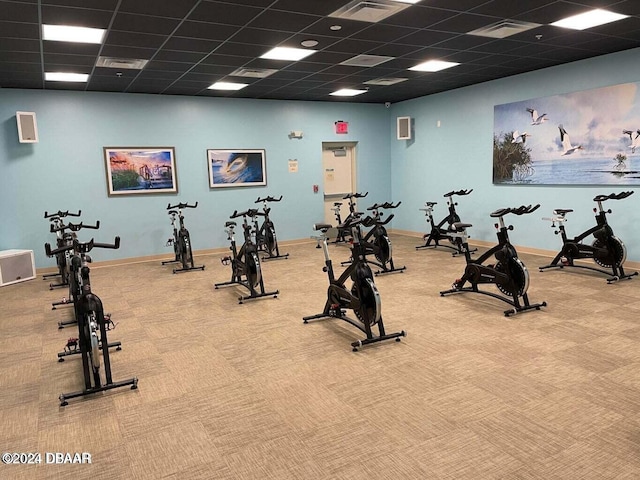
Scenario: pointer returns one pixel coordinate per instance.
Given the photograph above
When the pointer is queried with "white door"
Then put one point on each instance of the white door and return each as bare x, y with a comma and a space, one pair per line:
338, 164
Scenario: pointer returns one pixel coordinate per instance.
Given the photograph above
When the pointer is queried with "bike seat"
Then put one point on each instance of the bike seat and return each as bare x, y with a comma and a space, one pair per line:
337, 204
562, 211
459, 226
230, 224
430, 204
321, 226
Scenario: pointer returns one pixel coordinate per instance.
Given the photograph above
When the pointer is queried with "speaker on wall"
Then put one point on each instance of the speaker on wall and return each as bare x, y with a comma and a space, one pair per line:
27, 127
16, 266
404, 128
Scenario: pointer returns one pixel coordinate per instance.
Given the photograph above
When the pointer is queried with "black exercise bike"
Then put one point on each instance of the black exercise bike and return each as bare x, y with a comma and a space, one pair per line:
376, 242
508, 274
92, 327
362, 298
444, 230
181, 240
344, 231
63, 238
607, 250
265, 234
245, 263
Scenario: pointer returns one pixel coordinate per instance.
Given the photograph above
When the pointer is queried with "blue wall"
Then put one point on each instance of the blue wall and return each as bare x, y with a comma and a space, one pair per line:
458, 155
66, 171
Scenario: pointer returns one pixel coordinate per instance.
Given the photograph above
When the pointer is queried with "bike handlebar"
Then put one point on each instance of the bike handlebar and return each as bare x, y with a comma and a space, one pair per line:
612, 196
521, 210
181, 206
376, 206
268, 199
355, 195
252, 212
458, 192
62, 214
74, 227
84, 247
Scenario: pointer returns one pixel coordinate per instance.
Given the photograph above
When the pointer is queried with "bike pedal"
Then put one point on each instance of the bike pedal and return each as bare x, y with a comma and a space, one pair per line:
226, 260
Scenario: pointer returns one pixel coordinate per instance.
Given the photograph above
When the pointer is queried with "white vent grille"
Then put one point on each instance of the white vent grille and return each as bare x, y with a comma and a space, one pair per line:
369, 11
385, 81
253, 72
503, 29
366, 60
124, 63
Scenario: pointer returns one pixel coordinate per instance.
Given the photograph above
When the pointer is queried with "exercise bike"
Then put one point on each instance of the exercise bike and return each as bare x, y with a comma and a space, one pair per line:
376, 242
607, 250
92, 327
343, 230
63, 238
266, 233
508, 274
362, 298
445, 230
245, 263
181, 240
75, 289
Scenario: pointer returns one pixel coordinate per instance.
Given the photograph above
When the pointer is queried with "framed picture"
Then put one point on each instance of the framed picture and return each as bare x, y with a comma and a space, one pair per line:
140, 170
237, 168
589, 137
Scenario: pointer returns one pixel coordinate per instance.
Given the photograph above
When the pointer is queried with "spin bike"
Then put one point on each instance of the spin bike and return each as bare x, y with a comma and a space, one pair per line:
92, 327
508, 274
445, 230
266, 233
362, 298
343, 229
607, 250
245, 263
181, 240
68, 250
63, 238
377, 242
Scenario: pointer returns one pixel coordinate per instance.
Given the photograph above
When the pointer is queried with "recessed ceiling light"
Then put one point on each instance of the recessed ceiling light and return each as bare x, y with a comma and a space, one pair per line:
347, 92
64, 33
65, 77
589, 19
227, 86
335, 28
286, 53
309, 43
433, 66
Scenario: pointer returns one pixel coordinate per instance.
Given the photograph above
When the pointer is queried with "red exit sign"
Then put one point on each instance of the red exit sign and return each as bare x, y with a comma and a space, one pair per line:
342, 127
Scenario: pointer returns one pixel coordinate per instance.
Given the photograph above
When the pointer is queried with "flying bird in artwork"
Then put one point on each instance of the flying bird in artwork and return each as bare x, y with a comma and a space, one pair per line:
567, 148
634, 141
520, 137
535, 118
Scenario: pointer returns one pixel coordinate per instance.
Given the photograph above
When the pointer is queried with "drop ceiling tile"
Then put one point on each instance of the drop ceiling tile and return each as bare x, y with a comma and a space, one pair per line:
207, 31
169, 66
127, 52
86, 60
260, 36
127, 22
216, 59
19, 30
424, 38
75, 16
71, 48
191, 44
323, 27
353, 46
283, 21
131, 39
94, 4
551, 12
224, 13
240, 49
18, 12
19, 57
419, 17
19, 45
173, 9
383, 33
178, 56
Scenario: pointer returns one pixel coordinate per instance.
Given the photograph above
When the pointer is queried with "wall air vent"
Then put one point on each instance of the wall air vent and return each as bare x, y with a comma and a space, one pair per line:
385, 81
369, 10
366, 60
503, 29
253, 72
123, 63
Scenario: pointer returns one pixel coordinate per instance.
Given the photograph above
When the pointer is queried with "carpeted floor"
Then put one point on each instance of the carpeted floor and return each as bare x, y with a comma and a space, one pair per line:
229, 391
